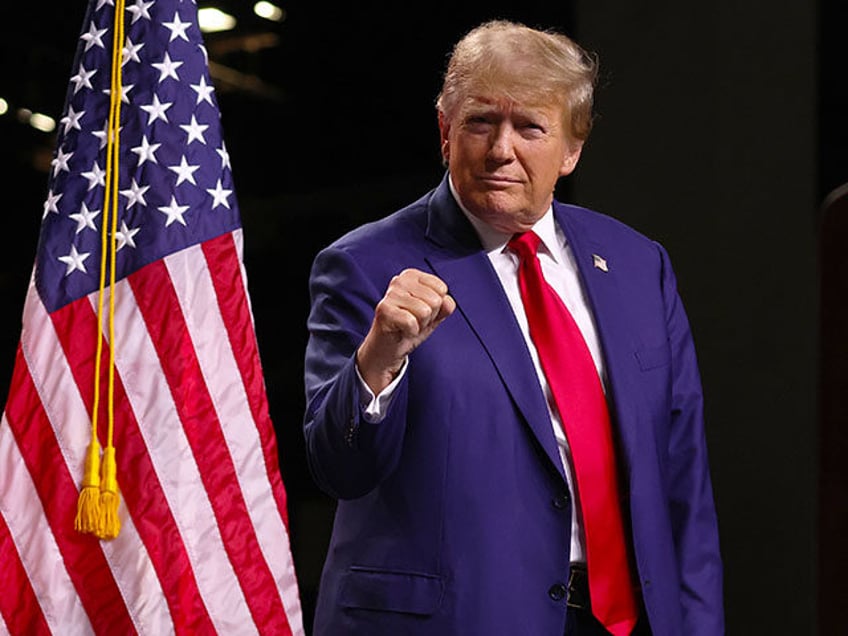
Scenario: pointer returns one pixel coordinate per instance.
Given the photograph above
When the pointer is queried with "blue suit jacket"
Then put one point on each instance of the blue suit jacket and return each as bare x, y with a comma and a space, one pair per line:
453, 514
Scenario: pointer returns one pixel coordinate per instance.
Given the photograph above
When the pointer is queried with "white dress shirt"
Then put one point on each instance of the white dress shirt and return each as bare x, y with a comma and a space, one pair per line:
560, 271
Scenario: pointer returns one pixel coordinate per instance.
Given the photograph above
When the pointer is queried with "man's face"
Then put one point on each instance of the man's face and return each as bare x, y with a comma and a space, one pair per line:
505, 158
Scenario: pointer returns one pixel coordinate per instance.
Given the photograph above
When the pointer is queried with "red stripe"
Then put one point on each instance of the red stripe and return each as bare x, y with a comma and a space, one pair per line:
163, 316
224, 265
83, 557
140, 486
18, 605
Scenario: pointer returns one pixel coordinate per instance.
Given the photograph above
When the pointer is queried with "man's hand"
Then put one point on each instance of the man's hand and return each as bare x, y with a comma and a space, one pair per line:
414, 305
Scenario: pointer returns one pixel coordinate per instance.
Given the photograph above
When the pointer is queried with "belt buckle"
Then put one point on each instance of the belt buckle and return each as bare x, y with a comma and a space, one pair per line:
578, 587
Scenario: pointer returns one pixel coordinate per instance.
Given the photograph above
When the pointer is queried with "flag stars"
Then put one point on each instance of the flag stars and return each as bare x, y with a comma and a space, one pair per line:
125, 236
184, 171
125, 90
95, 176
146, 151
194, 130
174, 212
82, 78
204, 91
130, 52
139, 10
177, 28
156, 110
60, 161
135, 194
93, 37
225, 156
167, 68
71, 120
85, 218
219, 196
51, 204
75, 261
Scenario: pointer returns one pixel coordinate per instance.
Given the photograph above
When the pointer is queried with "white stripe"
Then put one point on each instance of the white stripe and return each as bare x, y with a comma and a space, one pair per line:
195, 288
127, 556
21, 508
4, 631
288, 583
147, 389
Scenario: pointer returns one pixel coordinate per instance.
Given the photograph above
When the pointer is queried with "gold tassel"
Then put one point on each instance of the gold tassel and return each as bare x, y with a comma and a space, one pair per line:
110, 523
88, 503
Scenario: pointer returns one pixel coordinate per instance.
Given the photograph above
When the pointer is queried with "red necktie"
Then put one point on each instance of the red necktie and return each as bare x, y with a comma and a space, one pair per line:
579, 397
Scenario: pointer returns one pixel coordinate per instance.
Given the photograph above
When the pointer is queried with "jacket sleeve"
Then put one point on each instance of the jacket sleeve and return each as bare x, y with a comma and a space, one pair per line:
692, 509
347, 455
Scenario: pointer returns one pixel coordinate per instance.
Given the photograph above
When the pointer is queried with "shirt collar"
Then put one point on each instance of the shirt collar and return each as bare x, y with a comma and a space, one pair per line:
495, 241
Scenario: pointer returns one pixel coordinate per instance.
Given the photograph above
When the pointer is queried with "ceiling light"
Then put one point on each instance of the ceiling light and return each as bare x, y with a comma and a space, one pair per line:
269, 11
4, 106
211, 20
44, 123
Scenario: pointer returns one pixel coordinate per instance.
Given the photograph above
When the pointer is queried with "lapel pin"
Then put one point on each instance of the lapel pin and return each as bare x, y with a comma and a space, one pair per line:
600, 263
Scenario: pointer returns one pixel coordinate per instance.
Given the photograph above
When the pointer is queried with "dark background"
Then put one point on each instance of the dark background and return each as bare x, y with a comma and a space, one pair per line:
720, 131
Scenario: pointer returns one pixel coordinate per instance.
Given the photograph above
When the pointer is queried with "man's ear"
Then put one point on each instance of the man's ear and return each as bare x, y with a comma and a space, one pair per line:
444, 134
571, 157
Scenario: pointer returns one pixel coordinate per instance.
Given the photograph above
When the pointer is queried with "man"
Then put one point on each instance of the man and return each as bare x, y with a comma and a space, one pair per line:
512, 453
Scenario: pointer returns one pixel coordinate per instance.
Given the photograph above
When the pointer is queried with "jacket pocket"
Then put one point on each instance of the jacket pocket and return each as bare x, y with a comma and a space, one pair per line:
391, 591
654, 357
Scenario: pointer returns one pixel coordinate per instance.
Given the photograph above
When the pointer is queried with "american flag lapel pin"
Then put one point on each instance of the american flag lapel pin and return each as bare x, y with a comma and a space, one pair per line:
600, 263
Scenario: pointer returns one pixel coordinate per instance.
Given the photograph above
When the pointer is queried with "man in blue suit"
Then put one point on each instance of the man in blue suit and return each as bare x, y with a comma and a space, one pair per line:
434, 418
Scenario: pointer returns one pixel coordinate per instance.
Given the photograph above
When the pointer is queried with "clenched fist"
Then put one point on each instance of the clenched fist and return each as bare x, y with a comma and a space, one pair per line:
413, 306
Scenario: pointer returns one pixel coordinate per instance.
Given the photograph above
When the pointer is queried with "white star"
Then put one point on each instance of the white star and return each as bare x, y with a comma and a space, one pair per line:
50, 203
204, 91
174, 212
85, 218
95, 176
146, 151
177, 28
60, 161
194, 130
125, 236
135, 194
125, 90
82, 78
156, 110
74, 260
92, 38
167, 68
225, 156
219, 195
71, 120
102, 134
184, 171
100, 4
139, 10
130, 52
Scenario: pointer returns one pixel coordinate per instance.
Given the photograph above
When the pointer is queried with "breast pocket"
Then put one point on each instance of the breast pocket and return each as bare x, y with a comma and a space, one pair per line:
391, 591
654, 357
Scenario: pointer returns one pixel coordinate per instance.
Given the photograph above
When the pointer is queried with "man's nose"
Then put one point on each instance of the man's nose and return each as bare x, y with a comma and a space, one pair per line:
501, 147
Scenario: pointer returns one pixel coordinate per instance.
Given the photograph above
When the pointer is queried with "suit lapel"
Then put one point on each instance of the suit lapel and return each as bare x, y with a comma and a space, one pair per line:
462, 264
601, 280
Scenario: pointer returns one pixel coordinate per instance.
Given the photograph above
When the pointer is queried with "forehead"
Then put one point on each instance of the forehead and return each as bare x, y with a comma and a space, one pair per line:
511, 105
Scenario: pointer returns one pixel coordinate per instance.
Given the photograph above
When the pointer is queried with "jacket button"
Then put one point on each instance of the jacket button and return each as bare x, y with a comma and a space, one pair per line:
561, 501
557, 591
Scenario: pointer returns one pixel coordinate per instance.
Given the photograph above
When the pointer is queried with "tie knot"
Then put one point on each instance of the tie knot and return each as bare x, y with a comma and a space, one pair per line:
525, 244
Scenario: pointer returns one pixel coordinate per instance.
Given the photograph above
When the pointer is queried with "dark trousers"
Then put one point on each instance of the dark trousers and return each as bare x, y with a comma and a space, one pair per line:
580, 622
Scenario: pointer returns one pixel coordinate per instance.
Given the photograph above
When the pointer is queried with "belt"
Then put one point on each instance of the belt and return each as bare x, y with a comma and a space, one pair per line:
578, 587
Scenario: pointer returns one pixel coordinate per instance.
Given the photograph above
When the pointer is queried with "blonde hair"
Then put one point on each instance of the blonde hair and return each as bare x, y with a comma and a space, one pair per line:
522, 64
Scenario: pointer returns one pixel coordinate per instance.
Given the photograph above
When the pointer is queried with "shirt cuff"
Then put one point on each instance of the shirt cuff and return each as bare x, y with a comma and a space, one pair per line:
375, 407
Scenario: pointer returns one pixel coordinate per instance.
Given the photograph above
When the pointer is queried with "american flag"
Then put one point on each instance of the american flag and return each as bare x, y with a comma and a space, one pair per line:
203, 546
